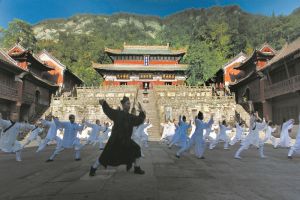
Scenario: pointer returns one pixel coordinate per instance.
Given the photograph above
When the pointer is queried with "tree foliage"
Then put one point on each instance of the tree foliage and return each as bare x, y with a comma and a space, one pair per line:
18, 31
212, 36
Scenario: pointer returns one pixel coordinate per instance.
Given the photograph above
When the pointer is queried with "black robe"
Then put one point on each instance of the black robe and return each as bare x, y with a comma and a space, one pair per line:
120, 148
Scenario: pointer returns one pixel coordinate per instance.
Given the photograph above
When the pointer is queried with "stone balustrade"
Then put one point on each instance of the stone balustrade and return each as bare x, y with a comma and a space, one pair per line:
185, 100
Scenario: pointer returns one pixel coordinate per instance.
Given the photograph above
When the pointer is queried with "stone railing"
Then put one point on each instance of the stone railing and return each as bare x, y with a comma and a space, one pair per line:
183, 100
283, 87
8, 92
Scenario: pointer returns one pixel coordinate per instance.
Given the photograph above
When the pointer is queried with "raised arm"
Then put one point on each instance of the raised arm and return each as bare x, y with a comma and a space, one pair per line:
137, 120
88, 124
111, 113
4, 123
45, 123
26, 126
59, 124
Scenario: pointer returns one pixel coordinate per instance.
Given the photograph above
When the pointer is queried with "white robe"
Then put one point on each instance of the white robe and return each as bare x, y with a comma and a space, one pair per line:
296, 147
253, 137
34, 134
70, 133
285, 139
52, 131
238, 134
268, 135
222, 136
95, 131
181, 138
166, 128
8, 140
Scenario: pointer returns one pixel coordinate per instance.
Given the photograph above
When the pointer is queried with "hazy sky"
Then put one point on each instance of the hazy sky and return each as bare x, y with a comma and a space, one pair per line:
34, 11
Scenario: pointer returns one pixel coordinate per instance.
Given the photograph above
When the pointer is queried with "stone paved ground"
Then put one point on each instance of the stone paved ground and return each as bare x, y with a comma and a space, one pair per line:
219, 176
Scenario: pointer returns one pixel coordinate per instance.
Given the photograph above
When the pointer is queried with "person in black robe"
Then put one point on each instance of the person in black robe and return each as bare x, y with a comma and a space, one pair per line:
120, 148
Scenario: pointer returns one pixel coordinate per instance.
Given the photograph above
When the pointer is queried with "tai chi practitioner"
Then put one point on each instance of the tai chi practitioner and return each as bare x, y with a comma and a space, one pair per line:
296, 147
145, 134
180, 138
268, 134
11, 130
104, 136
166, 129
34, 135
140, 136
193, 129
238, 133
222, 136
51, 134
285, 139
95, 132
120, 148
253, 137
70, 139
197, 138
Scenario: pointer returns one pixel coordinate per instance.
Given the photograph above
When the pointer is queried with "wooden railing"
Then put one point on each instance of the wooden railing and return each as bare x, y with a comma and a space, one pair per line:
283, 87
8, 92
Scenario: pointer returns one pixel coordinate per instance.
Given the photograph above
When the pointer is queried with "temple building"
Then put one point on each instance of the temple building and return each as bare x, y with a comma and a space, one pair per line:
26, 87
281, 92
247, 84
62, 75
144, 66
27, 82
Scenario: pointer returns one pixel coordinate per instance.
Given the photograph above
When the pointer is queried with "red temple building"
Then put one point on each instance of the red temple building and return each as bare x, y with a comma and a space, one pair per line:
247, 84
27, 82
144, 66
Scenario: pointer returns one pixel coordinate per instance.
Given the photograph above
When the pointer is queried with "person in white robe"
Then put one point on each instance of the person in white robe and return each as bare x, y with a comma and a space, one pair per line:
222, 136
104, 135
70, 139
239, 131
95, 132
296, 147
253, 137
268, 134
10, 131
285, 139
193, 128
145, 135
181, 138
34, 135
166, 129
51, 134
197, 140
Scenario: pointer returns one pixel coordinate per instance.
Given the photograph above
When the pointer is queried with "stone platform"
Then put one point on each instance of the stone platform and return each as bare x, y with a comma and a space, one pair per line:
219, 176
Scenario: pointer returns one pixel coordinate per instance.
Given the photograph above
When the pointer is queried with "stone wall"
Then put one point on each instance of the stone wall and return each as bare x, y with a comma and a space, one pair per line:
86, 103
184, 100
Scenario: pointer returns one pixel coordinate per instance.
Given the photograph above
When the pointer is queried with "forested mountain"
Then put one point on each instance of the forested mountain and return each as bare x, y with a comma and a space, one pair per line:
212, 36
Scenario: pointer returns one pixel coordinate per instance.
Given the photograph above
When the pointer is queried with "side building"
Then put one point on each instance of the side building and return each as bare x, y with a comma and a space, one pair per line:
281, 90
28, 81
247, 84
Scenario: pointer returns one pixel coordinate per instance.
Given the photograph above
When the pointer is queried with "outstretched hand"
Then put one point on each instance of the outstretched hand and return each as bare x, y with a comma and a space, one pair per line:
101, 101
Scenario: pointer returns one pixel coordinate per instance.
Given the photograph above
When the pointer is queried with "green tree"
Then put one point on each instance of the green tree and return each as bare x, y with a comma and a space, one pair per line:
19, 31
204, 61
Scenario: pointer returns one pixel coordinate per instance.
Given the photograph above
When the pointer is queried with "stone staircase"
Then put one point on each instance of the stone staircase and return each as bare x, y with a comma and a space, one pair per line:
151, 114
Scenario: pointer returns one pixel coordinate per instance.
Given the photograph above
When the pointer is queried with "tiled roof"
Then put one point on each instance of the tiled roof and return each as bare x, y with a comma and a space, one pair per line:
285, 51
145, 50
116, 67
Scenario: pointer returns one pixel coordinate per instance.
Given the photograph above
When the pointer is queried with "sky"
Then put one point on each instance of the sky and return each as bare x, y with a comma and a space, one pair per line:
34, 11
